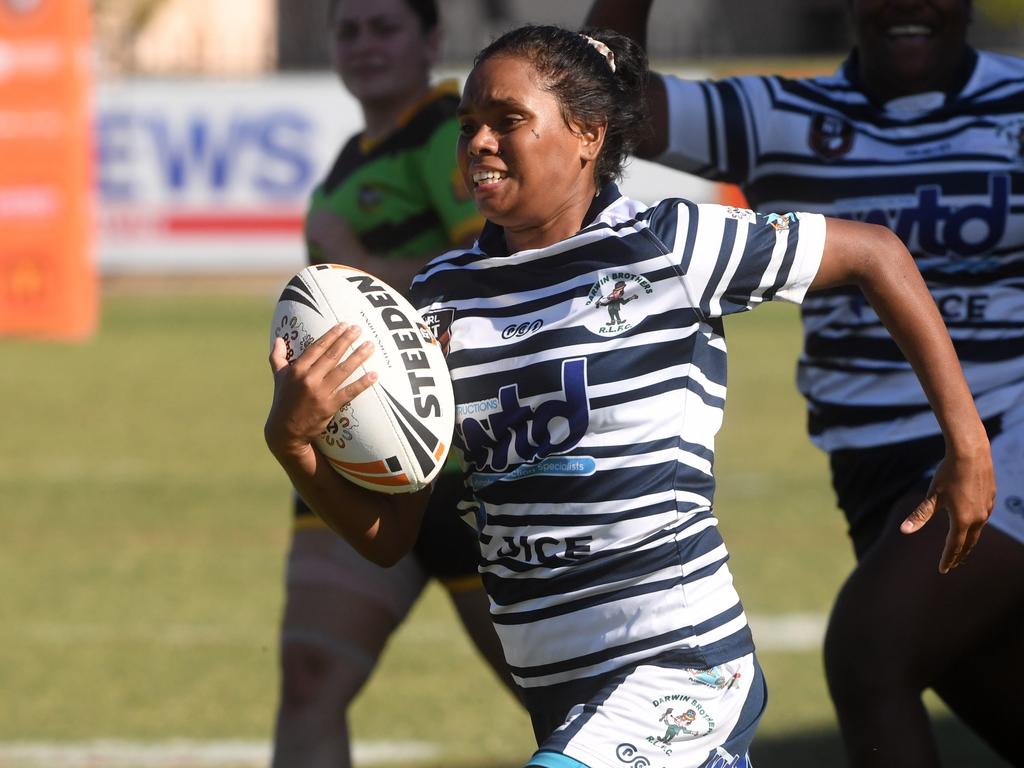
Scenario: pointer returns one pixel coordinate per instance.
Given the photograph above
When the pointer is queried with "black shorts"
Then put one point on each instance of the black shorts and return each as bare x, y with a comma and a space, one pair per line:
447, 548
868, 481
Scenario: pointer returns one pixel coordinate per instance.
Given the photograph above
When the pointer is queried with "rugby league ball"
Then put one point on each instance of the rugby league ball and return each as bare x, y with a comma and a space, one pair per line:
394, 436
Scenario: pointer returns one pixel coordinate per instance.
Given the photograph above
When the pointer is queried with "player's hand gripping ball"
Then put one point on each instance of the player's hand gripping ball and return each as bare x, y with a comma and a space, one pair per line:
393, 437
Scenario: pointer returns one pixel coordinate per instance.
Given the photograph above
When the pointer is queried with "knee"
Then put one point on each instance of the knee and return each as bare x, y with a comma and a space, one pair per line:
315, 678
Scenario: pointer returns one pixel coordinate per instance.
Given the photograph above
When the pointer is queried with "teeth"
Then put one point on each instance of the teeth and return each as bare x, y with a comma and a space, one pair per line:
908, 30
481, 176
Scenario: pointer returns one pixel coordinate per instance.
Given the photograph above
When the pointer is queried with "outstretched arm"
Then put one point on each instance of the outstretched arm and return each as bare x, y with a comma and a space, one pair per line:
629, 18
874, 259
307, 393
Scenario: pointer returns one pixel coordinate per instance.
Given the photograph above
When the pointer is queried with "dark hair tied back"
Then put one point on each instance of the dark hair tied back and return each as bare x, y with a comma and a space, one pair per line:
589, 91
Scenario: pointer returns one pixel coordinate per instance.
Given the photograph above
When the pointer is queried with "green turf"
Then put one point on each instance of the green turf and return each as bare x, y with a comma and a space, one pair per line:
145, 525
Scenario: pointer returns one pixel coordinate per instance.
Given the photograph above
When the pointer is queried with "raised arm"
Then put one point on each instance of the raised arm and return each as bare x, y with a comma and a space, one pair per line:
307, 393
629, 17
874, 259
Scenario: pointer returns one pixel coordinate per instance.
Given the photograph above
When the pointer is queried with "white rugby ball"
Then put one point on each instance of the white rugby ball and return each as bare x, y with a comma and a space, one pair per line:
393, 437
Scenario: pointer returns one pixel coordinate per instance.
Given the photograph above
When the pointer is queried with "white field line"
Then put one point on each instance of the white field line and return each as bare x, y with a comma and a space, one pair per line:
780, 632
788, 632
186, 754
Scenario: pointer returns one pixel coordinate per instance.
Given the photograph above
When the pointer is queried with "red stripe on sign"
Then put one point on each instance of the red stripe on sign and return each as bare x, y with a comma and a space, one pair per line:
232, 223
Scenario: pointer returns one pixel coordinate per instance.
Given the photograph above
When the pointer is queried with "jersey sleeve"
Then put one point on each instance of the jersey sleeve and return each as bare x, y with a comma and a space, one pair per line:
711, 127
445, 188
733, 259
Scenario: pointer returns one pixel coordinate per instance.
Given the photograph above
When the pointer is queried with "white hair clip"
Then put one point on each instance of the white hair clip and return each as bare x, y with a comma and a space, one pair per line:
603, 49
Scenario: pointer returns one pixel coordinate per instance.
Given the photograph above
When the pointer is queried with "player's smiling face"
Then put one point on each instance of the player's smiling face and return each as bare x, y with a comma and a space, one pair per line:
528, 170
381, 50
910, 46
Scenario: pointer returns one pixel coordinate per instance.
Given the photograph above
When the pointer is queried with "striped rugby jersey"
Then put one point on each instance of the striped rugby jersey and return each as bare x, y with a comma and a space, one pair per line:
589, 383
944, 171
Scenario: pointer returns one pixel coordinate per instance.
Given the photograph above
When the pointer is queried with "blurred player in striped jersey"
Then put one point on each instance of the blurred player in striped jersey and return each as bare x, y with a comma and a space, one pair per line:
921, 133
587, 436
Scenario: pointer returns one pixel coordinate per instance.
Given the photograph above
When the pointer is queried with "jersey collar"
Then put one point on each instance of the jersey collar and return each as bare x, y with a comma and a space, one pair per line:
492, 237
851, 71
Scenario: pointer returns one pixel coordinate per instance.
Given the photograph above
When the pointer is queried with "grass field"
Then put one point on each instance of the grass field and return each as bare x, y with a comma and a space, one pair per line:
145, 524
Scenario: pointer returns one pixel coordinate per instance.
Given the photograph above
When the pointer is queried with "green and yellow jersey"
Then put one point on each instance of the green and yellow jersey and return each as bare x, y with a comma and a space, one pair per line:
403, 196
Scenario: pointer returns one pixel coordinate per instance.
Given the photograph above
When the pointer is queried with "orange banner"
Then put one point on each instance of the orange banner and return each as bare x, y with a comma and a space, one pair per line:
48, 284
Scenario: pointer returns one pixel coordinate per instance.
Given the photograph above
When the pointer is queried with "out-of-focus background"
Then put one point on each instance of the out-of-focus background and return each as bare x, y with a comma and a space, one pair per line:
156, 157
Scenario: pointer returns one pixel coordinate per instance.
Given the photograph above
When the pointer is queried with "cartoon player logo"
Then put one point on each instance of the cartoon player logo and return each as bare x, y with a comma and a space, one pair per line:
676, 724
614, 301
622, 288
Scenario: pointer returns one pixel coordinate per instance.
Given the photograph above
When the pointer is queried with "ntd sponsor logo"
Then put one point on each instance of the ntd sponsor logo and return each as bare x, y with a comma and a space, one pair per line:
929, 222
516, 433
251, 155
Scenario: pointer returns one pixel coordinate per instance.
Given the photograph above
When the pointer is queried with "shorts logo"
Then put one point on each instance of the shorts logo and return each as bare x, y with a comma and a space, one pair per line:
611, 293
630, 755
687, 717
830, 136
716, 678
439, 321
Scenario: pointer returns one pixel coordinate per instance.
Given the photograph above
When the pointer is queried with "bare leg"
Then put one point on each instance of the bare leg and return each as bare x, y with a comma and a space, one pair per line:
340, 611
899, 627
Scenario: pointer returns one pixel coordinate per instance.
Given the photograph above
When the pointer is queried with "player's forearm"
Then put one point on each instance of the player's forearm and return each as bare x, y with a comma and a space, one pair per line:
380, 527
628, 17
876, 260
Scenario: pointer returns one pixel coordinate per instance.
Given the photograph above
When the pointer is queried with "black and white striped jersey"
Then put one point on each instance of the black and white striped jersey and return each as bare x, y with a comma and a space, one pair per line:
945, 172
589, 383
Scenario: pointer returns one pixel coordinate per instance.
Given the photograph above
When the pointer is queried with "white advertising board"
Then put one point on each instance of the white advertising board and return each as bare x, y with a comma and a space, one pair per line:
214, 175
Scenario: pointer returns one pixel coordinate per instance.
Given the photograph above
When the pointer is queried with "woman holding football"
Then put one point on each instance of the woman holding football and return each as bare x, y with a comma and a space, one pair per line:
588, 455
391, 201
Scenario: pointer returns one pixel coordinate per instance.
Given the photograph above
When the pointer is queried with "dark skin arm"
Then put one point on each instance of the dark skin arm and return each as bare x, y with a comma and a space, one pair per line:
875, 260
629, 18
307, 393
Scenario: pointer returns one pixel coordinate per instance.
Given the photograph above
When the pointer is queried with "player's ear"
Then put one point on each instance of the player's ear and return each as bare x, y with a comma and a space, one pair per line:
591, 140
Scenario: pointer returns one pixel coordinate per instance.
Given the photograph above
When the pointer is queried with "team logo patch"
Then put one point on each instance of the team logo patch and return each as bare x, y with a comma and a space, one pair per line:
369, 197
439, 322
1013, 134
780, 221
831, 136
607, 300
686, 717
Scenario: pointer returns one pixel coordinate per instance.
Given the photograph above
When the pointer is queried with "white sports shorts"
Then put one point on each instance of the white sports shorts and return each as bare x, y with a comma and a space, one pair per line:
660, 716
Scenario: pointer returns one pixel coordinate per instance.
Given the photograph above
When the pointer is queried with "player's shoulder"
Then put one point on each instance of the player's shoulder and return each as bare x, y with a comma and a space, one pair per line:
995, 70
